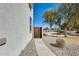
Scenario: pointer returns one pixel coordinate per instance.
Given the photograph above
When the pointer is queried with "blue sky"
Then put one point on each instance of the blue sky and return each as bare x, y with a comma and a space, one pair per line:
39, 9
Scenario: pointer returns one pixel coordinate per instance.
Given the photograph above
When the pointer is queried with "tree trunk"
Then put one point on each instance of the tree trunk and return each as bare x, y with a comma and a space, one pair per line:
65, 32
50, 26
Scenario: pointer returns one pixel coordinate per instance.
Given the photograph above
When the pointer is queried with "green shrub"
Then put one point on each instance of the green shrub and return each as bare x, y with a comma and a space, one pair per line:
60, 43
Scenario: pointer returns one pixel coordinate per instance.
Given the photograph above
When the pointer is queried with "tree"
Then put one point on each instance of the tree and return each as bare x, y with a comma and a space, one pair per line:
50, 17
70, 12
59, 21
76, 16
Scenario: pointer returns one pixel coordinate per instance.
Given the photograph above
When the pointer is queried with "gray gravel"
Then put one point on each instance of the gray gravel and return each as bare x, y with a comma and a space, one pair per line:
30, 49
68, 50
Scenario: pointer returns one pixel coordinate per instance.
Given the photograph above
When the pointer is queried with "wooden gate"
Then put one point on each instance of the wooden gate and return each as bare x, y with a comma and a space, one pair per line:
37, 32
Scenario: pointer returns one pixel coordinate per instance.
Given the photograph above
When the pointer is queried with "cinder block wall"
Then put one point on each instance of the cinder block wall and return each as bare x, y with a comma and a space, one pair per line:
14, 25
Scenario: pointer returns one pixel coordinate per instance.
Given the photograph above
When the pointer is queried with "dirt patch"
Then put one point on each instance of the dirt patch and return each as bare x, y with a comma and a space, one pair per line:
71, 47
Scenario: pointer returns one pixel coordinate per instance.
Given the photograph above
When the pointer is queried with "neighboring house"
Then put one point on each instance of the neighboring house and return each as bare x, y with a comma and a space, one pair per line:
15, 19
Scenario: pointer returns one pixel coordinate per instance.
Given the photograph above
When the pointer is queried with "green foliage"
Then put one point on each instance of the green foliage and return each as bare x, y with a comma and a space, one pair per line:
67, 12
51, 17
70, 12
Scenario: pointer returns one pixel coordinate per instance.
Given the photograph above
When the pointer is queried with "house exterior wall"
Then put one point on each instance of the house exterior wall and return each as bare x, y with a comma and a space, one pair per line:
14, 25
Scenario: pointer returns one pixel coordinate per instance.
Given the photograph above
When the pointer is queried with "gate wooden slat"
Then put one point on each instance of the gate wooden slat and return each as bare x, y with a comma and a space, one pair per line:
37, 32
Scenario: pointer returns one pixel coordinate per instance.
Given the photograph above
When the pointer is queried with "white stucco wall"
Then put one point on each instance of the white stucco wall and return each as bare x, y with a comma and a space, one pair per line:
14, 25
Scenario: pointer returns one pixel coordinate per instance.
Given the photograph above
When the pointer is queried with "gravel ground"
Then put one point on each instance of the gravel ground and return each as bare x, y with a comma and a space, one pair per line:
30, 49
68, 50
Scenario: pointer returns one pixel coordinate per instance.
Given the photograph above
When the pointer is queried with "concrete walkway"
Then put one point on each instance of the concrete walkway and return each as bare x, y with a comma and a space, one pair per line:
42, 49
29, 50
